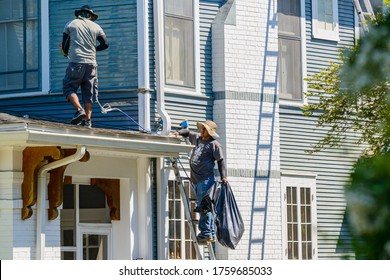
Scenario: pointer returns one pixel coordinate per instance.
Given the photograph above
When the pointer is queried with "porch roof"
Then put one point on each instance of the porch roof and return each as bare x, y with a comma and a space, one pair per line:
19, 131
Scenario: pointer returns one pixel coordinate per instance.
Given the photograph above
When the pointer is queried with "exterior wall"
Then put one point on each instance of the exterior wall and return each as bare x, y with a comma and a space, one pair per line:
131, 236
298, 133
245, 109
118, 66
199, 106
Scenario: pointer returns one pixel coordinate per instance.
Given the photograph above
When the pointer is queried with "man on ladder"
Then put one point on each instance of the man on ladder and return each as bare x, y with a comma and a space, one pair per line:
206, 152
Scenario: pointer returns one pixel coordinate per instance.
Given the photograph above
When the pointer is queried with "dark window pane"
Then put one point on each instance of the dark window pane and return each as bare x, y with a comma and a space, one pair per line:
67, 238
68, 256
68, 197
91, 197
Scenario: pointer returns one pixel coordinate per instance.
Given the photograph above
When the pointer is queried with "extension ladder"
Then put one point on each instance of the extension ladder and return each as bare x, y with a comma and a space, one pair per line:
187, 211
365, 12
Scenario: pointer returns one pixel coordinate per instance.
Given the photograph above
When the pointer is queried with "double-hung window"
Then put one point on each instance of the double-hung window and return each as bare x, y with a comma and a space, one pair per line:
299, 217
325, 19
181, 245
290, 54
19, 45
179, 43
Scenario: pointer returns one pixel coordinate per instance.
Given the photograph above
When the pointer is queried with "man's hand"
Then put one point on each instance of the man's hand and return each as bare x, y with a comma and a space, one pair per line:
63, 53
176, 133
224, 180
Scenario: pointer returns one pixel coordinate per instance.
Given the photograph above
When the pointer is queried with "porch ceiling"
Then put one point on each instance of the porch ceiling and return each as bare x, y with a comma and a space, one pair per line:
17, 131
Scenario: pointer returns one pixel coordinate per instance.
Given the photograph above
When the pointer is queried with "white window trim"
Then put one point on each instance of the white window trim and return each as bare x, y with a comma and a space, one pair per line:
45, 47
320, 33
301, 179
196, 89
304, 101
88, 228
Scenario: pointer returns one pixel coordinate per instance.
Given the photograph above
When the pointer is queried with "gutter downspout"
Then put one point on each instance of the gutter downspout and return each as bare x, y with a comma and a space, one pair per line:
160, 62
143, 64
41, 198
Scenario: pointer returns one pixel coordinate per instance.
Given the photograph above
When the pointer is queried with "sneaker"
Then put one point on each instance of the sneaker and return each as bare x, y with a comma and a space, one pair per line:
78, 116
86, 123
203, 240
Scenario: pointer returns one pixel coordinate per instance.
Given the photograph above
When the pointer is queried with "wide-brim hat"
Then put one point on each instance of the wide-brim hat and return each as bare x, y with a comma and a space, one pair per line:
210, 126
87, 8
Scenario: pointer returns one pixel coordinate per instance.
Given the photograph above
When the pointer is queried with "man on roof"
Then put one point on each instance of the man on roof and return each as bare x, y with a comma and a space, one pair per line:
79, 45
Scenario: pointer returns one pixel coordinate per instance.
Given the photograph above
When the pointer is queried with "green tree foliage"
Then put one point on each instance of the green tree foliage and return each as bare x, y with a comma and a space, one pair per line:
362, 112
353, 94
368, 207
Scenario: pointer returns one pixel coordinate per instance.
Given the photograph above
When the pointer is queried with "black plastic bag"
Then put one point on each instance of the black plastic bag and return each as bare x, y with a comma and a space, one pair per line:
228, 221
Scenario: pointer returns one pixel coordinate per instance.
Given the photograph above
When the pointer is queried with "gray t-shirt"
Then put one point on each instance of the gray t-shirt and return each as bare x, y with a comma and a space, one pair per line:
83, 34
203, 156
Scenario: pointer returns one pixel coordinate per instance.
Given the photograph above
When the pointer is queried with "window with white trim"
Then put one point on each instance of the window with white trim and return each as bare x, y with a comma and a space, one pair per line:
299, 217
19, 45
290, 50
181, 245
179, 43
325, 20
85, 223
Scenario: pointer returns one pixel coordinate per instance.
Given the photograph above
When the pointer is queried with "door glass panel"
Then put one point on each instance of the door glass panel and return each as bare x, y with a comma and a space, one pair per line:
94, 247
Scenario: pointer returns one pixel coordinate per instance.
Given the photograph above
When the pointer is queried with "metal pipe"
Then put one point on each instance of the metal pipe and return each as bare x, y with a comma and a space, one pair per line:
160, 62
41, 198
143, 64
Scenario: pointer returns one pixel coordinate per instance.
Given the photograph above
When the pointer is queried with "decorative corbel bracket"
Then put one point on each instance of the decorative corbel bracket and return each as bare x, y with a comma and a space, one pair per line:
56, 184
111, 188
33, 159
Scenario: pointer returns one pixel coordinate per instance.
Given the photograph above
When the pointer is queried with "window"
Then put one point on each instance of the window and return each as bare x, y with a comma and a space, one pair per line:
85, 223
179, 43
19, 45
181, 245
299, 217
325, 19
290, 54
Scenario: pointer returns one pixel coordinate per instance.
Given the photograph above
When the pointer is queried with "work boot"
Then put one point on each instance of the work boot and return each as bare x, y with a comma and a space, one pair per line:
78, 116
203, 240
86, 123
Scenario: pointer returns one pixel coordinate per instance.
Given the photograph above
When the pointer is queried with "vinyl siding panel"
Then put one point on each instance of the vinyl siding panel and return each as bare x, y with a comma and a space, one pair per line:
298, 133
198, 107
332, 167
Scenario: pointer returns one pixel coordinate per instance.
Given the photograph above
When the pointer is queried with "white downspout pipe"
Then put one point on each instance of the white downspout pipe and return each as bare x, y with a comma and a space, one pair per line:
143, 64
41, 197
160, 62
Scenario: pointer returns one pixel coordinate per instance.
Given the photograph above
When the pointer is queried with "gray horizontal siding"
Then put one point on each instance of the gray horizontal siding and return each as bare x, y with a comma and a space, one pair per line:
320, 52
332, 166
197, 108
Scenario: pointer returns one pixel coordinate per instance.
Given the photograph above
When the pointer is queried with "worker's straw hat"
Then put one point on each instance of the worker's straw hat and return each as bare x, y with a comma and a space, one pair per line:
88, 9
210, 126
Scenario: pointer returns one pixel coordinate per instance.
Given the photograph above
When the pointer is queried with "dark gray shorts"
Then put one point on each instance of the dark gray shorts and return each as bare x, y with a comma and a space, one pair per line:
83, 75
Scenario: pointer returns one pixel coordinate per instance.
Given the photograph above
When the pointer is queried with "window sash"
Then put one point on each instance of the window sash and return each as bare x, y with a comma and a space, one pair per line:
19, 45
299, 216
299, 223
325, 20
179, 43
290, 69
290, 55
181, 245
